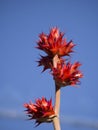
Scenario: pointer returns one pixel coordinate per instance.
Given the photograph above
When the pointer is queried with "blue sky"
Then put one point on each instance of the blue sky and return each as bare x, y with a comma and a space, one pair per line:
20, 78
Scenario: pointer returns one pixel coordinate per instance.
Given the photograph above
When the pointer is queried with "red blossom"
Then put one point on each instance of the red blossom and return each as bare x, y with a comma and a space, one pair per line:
54, 43
67, 74
41, 111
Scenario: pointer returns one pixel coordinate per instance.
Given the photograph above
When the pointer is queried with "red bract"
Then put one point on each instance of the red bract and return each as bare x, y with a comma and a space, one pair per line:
67, 74
54, 43
41, 111
45, 61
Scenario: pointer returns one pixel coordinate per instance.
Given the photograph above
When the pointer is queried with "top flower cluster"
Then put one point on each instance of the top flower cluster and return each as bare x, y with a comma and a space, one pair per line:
55, 46
54, 43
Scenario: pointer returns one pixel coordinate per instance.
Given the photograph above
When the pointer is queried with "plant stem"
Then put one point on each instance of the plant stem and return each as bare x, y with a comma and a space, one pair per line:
56, 121
57, 100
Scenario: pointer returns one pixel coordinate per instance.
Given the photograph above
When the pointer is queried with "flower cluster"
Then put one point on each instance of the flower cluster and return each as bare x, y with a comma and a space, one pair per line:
67, 74
54, 44
41, 111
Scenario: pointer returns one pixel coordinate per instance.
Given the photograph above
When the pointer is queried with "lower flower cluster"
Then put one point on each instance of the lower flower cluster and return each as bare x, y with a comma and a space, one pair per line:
41, 111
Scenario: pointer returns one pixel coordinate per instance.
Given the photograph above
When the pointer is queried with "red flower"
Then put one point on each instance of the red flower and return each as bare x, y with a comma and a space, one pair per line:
41, 111
67, 74
54, 43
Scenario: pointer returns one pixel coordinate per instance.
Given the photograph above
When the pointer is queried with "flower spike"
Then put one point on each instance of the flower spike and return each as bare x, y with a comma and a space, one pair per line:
64, 74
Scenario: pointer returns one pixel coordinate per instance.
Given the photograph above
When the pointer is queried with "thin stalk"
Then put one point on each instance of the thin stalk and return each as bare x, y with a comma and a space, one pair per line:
56, 120
56, 124
57, 100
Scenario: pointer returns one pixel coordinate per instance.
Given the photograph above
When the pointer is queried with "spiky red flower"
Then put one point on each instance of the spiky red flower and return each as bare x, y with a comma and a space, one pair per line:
54, 43
41, 111
67, 74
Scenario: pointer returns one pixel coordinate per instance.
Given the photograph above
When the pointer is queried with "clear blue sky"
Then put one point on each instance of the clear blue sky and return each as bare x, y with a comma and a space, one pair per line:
21, 80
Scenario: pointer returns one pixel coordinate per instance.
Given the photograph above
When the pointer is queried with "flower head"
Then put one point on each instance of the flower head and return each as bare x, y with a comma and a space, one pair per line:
41, 111
54, 43
67, 74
